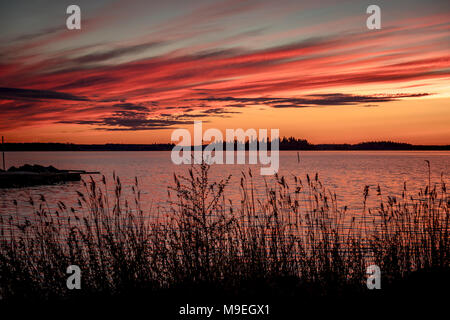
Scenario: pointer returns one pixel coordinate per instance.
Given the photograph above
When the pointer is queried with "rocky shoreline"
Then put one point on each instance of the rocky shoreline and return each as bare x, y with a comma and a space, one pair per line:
32, 175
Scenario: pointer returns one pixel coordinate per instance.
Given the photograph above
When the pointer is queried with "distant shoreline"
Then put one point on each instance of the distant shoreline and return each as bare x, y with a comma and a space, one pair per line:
285, 145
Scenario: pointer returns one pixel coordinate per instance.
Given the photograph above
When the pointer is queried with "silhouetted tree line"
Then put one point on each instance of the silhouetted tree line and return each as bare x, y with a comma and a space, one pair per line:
285, 143
86, 147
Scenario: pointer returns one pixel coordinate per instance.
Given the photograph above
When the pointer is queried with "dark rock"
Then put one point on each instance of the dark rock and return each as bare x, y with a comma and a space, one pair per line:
31, 175
34, 168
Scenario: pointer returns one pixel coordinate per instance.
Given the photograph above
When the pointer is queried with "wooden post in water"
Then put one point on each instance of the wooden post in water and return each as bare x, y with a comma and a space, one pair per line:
3, 153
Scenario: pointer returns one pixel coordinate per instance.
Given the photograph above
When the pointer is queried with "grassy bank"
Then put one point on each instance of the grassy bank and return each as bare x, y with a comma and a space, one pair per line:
296, 241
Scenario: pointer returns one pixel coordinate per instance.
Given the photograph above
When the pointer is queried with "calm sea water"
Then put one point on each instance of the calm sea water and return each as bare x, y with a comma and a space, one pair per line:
346, 173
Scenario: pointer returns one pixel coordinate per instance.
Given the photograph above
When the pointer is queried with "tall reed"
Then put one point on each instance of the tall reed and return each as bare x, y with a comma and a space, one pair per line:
295, 235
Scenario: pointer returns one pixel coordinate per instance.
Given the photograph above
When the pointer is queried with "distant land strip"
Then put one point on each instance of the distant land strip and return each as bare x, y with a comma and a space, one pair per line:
285, 144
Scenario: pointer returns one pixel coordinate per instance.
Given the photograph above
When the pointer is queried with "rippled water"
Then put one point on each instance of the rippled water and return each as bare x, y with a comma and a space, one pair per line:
345, 172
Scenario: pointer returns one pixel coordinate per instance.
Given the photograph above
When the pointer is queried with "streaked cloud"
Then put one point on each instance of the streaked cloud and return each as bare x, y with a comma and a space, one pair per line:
23, 94
218, 59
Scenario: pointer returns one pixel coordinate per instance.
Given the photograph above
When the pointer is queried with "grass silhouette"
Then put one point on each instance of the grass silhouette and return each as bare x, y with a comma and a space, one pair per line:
295, 241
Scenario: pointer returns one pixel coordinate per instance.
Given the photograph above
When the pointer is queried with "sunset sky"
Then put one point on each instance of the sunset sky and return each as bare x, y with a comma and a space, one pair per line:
139, 69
